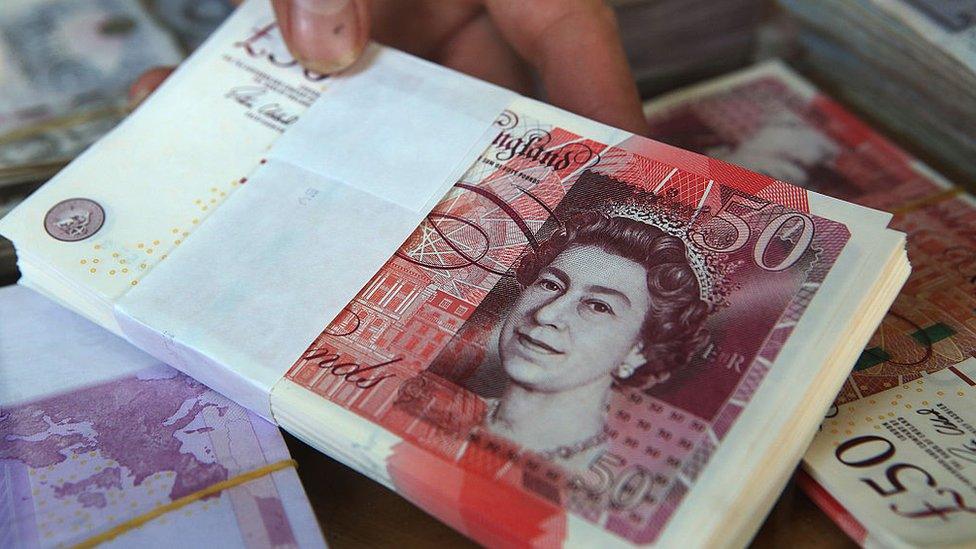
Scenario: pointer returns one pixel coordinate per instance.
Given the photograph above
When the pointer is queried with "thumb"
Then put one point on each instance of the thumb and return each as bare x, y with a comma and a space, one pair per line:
324, 35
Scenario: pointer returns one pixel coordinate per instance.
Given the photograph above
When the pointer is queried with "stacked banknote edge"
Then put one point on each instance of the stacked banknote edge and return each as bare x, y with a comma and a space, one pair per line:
393, 263
892, 58
907, 404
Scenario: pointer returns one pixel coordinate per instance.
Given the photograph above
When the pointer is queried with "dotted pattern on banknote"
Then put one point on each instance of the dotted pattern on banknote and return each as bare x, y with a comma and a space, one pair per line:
133, 260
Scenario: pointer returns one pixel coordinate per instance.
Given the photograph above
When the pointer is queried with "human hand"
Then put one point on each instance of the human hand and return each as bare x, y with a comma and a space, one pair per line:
568, 48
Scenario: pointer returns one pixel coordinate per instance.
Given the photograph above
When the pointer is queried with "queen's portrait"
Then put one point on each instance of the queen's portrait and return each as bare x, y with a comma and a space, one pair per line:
605, 303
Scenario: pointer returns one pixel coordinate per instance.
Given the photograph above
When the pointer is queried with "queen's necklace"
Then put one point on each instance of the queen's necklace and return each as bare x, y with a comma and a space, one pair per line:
563, 451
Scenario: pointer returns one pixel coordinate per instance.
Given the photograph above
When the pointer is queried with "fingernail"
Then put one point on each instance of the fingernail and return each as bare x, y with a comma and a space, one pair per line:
325, 35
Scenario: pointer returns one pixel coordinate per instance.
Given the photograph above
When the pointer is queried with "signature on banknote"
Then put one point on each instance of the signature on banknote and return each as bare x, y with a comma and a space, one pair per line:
246, 95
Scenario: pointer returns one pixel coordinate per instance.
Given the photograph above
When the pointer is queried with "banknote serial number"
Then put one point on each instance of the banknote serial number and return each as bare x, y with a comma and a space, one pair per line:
866, 451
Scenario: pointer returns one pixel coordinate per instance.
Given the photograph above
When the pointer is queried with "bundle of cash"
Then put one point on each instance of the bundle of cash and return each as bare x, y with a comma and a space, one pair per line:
665, 45
540, 329
99, 442
909, 63
892, 464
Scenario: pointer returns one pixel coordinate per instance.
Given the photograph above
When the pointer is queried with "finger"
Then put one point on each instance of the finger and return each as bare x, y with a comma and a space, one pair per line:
478, 49
147, 83
324, 35
575, 47
420, 27
456, 33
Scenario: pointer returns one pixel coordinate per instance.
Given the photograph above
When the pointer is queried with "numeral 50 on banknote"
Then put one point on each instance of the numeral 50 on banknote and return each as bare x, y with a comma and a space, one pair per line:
788, 226
901, 461
880, 451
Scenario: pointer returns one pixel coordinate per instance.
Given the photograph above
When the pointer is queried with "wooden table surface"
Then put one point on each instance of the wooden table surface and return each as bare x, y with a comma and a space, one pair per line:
355, 511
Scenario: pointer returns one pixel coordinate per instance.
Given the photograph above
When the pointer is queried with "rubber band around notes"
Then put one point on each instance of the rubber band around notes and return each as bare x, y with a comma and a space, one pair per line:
138, 521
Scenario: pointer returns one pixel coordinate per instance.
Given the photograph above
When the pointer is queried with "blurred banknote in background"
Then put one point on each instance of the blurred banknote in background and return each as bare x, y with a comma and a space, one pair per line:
911, 64
667, 48
914, 373
121, 448
191, 21
65, 68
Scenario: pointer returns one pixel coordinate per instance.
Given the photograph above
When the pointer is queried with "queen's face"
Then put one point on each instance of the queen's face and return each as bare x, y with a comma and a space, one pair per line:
577, 322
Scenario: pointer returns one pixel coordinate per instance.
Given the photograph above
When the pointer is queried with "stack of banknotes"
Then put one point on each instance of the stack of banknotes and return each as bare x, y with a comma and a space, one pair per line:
893, 462
909, 63
538, 328
667, 48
